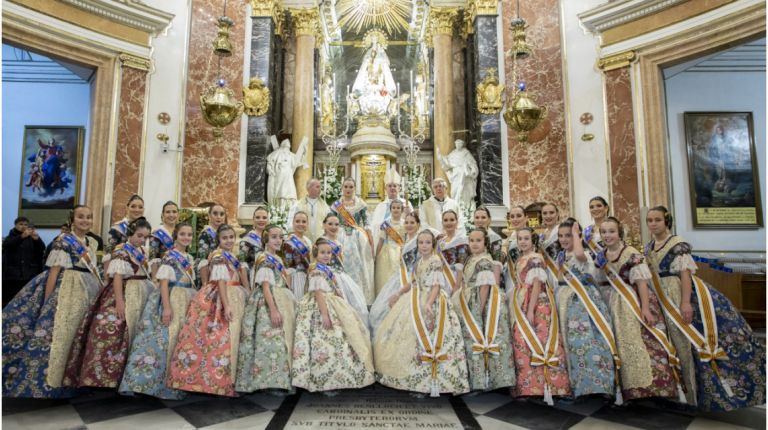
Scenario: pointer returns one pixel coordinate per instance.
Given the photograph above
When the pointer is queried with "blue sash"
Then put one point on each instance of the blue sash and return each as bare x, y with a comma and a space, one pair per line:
211, 232
298, 244
335, 248
327, 270
232, 260
164, 238
75, 244
254, 237
122, 227
183, 262
601, 260
135, 253
273, 261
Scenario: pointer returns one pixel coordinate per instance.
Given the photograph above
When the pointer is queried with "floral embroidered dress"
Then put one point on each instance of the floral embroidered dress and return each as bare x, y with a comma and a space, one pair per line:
204, 357
455, 251
351, 290
497, 246
160, 242
353, 238
335, 358
645, 369
249, 248
297, 252
508, 272
593, 240
148, 364
532, 377
103, 341
38, 332
590, 362
487, 336
743, 367
402, 341
264, 359
117, 235
206, 244
380, 307
388, 260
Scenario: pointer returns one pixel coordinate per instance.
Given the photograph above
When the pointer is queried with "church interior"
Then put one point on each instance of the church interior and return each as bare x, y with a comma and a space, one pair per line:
241, 104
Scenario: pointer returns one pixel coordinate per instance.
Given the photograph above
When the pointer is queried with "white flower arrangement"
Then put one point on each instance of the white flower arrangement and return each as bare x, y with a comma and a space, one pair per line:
330, 185
278, 213
467, 211
415, 185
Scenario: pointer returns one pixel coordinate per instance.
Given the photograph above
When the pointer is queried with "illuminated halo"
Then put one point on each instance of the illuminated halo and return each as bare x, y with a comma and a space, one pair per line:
375, 34
392, 15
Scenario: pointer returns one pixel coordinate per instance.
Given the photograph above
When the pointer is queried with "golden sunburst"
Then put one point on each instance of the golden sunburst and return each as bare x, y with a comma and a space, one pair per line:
392, 15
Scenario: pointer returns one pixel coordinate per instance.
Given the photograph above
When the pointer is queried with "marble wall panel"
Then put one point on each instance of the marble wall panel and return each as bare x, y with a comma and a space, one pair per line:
133, 91
210, 170
538, 169
621, 138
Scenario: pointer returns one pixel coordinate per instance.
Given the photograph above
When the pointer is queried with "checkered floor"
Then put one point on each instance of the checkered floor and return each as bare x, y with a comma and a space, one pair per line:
496, 411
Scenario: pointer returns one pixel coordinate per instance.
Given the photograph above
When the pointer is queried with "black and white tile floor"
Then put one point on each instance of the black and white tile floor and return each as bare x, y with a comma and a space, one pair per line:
375, 407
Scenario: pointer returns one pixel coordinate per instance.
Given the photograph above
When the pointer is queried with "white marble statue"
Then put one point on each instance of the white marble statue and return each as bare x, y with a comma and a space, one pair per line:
374, 88
461, 169
281, 163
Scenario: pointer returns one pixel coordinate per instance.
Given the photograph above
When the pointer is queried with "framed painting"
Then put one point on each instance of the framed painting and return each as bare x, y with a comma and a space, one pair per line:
722, 170
51, 169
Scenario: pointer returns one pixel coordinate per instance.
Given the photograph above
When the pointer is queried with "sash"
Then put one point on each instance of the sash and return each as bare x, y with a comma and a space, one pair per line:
327, 270
484, 343
211, 232
552, 267
392, 233
539, 355
232, 260
122, 227
164, 238
432, 348
82, 253
447, 270
590, 239
183, 263
707, 344
138, 256
631, 299
254, 239
350, 220
300, 246
599, 319
404, 280
336, 249
271, 259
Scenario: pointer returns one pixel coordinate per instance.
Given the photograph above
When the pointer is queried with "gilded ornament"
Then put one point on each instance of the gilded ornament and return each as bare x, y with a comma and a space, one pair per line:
256, 98
134, 62
221, 45
391, 15
305, 21
443, 19
520, 46
489, 94
524, 115
616, 61
487, 7
263, 7
220, 107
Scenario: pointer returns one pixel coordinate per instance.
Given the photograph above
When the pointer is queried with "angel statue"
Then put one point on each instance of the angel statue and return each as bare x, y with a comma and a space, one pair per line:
281, 163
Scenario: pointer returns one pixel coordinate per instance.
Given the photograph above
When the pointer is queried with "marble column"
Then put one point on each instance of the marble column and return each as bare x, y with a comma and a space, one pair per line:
487, 127
265, 59
305, 23
442, 20
133, 94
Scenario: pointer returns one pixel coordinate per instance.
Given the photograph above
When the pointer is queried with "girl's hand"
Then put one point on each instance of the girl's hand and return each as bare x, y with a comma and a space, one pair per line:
120, 309
531, 315
575, 230
430, 318
277, 319
167, 316
687, 311
327, 324
392, 300
648, 317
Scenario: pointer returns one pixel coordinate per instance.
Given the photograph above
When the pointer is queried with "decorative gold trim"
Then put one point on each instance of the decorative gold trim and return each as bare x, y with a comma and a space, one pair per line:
616, 61
442, 20
256, 98
489, 93
468, 25
487, 7
306, 21
134, 62
271, 9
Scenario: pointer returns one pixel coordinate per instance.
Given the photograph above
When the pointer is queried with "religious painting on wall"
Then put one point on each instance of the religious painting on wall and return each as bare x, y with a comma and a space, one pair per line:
52, 163
722, 169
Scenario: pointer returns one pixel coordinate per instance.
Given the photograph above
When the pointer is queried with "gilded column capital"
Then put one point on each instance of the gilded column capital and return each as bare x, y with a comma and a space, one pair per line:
443, 19
306, 21
616, 61
487, 7
134, 62
271, 9
468, 25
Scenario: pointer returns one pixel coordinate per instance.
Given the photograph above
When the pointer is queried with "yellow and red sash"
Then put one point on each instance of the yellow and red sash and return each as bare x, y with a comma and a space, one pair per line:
484, 343
392, 233
350, 220
630, 298
707, 344
600, 321
539, 355
274, 261
432, 348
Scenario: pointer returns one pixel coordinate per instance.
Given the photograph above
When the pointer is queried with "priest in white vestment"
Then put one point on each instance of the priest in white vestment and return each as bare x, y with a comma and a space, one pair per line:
382, 211
315, 208
431, 210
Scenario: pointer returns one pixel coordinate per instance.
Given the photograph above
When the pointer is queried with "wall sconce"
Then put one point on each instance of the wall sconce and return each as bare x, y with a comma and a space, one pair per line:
586, 119
163, 118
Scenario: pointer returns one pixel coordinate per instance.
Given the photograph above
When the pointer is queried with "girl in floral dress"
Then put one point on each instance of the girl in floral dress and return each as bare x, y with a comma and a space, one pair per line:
332, 348
735, 378
163, 317
549, 245
356, 239
161, 239
352, 291
250, 245
455, 249
422, 351
484, 315
204, 357
482, 219
398, 283
207, 241
390, 243
103, 341
297, 248
40, 323
587, 332
539, 356
599, 209
266, 340
118, 232
517, 220
645, 363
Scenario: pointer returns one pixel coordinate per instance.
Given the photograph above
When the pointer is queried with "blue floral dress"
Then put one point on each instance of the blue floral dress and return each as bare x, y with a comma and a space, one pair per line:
249, 248
152, 348
744, 368
38, 332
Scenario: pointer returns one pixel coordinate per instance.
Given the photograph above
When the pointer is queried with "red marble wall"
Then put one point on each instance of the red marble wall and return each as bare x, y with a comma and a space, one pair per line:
538, 169
133, 90
210, 169
621, 140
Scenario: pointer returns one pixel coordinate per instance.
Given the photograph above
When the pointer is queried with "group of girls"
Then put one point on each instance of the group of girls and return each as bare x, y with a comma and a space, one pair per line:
558, 312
